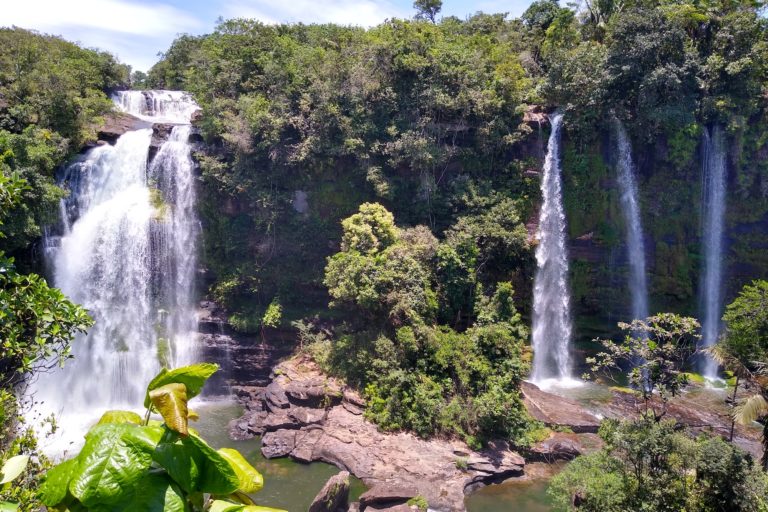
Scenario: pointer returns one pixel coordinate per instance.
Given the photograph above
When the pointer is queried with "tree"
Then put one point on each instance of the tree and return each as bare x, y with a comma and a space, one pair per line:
271, 318
649, 465
427, 9
139, 80
656, 349
37, 322
744, 349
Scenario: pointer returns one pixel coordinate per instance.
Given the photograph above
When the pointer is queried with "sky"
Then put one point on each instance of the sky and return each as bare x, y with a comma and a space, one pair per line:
136, 30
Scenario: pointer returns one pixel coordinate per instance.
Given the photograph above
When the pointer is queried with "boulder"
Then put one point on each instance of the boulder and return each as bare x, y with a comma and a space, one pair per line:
556, 411
334, 496
310, 392
118, 123
306, 416
559, 446
278, 444
160, 134
275, 395
387, 494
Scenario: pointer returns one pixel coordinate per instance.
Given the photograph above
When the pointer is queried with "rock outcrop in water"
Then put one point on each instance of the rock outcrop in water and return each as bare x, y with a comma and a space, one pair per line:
310, 417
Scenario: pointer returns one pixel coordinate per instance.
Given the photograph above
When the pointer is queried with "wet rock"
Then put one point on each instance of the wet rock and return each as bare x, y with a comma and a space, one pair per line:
554, 410
160, 133
334, 496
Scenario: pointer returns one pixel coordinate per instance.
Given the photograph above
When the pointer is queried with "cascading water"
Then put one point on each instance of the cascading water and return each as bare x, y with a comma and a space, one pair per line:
127, 253
638, 283
551, 295
157, 106
713, 201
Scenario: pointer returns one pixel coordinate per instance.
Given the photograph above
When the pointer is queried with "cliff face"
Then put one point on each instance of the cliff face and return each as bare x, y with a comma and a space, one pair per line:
669, 175
298, 224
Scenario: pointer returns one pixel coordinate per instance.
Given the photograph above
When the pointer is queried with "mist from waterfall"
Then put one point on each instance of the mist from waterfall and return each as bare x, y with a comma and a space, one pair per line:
552, 324
126, 251
714, 173
627, 181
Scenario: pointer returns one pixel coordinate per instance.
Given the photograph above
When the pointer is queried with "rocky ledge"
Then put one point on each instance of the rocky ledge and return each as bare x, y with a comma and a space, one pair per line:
310, 417
118, 123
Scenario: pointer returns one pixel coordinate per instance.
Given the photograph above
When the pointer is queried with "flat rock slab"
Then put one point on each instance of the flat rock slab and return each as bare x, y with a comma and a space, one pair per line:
557, 411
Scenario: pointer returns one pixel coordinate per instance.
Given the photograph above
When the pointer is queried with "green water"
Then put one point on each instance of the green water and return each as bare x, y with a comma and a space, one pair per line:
517, 496
287, 484
292, 486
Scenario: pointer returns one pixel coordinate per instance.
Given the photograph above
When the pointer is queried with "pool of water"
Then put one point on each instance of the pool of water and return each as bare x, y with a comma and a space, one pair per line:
287, 484
526, 494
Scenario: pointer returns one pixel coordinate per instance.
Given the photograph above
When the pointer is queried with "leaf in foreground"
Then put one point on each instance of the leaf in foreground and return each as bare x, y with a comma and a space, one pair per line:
115, 457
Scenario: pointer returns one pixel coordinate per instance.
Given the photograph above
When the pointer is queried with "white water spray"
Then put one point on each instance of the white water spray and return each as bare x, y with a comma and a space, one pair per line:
638, 283
713, 200
552, 325
127, 254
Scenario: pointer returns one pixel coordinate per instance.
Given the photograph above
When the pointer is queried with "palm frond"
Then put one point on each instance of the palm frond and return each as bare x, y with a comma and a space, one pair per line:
718, 354
751, 410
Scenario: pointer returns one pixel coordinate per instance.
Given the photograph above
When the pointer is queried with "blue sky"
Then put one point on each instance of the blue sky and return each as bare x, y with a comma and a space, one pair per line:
136, 30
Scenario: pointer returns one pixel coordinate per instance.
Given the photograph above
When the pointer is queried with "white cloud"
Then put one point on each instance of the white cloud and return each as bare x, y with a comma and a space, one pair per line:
134, 32
364, 13
105, 15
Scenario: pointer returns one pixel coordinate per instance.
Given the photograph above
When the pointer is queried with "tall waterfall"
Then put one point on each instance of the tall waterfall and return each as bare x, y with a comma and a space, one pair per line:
551, 295
127, 253
638, 283
713, 205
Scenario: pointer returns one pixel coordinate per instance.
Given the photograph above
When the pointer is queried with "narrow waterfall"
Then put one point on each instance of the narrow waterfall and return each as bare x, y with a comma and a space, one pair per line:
638, 282
713, 212
552, 326
127, 253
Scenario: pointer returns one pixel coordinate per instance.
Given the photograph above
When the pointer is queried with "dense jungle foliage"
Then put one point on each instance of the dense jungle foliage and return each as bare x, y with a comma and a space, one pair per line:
53, 95
436, 121
305, 123
390, 172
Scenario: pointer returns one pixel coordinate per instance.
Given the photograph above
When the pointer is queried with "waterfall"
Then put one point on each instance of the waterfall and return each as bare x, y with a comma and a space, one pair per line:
713, 202
638, 283
127, 253
551, 296
157, 106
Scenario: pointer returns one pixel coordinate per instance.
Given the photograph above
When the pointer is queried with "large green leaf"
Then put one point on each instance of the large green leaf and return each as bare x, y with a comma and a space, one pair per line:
171, 402
7, 506
192, 376
155, 492
250, 480
181, 459
216, 473
54, 489
12, 468
195, 466
227, 506
120, 417
115, 457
